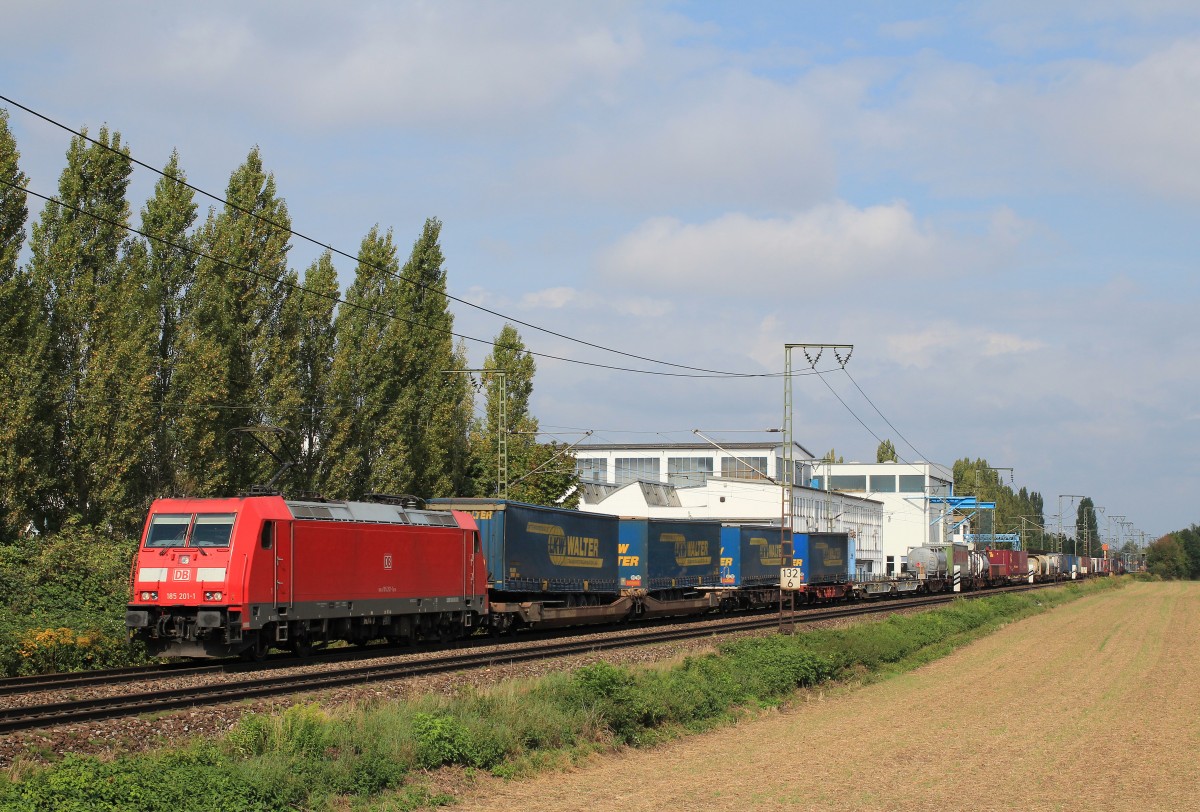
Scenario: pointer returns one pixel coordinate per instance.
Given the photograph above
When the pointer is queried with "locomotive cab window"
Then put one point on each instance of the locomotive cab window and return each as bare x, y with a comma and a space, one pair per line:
267, 537
168, 530
212, 530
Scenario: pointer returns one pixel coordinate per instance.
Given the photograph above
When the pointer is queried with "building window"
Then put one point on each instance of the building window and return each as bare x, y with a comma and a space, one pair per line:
912, 483
594, 469
631, 469
683, 471
848, 482
883, 483
745, 468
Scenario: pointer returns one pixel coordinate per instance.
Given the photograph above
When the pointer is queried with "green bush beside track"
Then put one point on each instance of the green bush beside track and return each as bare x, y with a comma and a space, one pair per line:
311, 758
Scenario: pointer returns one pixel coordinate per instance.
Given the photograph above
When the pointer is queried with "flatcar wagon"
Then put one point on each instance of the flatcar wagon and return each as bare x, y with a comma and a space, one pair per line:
547, 566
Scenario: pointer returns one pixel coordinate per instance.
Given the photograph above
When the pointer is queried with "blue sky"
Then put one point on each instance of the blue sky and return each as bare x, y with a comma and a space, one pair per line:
997, 203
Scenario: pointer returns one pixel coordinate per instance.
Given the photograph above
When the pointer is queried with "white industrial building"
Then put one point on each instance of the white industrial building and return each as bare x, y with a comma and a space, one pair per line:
909, 492
733, 482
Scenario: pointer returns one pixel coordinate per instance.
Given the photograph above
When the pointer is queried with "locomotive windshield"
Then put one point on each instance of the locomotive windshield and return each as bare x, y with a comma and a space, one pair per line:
179, 530
212, 530
168, 530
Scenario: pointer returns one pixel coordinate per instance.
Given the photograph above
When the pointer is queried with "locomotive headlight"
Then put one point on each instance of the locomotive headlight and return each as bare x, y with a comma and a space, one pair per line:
212, 596
149, 596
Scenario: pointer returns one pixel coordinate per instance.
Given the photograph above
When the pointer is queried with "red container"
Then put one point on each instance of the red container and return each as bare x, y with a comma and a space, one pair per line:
1007, 564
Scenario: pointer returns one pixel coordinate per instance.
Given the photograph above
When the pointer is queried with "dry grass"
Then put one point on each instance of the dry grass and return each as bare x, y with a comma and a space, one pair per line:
1090, 707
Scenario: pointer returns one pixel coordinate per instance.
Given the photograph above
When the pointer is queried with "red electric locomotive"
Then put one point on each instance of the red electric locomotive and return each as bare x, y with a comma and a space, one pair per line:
218, 577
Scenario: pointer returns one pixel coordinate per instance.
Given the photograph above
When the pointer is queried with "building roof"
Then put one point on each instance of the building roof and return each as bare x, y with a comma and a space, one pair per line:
583, 448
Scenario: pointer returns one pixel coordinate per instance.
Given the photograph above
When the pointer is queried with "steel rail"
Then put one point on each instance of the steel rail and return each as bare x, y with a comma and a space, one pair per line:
39, 716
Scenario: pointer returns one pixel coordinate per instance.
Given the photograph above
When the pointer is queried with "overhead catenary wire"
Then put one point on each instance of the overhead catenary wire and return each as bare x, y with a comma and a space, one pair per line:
704, 372
881, 414
339, 252
391, 316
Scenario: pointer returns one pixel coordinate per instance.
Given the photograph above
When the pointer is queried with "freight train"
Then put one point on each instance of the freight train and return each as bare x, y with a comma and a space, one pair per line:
238, 576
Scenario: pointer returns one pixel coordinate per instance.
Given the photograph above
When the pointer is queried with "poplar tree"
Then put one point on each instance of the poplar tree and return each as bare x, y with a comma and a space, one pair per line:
539, 473
1087, 531
231, 314
886, 452
96, 386
24, 428
317, 342
167, 263
420, 427
365, 372
456, 413
282, 397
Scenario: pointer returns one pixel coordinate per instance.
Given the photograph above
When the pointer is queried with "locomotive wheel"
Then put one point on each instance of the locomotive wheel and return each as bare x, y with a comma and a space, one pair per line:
302, 646
256, 652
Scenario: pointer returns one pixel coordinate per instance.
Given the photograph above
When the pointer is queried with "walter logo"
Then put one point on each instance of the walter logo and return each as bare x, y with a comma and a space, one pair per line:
688, 552
831, 555
568, 551
769, 554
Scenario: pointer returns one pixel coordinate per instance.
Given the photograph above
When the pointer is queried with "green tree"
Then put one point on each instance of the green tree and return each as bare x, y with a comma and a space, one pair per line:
422, 425
1166, 558
167, 263
1189, 540
1016, 511
1086, 528
98, 390
229, 330
538, 473
886, 452
25, 424
365, 371
317, 341
456, 413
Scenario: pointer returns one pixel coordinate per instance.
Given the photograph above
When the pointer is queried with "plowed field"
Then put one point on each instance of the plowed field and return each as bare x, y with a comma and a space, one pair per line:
1092, 706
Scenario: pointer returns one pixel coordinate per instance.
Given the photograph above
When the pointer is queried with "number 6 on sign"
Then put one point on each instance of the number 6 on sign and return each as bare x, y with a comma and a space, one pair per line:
790, 578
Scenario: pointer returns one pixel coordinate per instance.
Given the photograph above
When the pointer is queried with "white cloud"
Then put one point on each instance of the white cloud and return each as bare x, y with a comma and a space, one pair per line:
641, 306
719, 136
549, 298
822, 248
1135, 123
1061, 126
955, 342
421, 65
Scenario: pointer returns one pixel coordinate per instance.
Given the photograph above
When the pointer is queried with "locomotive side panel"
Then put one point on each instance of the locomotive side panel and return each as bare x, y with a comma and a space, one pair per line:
360, 562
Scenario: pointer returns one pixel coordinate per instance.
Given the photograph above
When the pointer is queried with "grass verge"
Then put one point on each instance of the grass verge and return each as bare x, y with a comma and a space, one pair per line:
379, 757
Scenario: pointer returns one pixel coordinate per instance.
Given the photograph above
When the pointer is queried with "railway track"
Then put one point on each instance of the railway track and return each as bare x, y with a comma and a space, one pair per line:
36, 716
